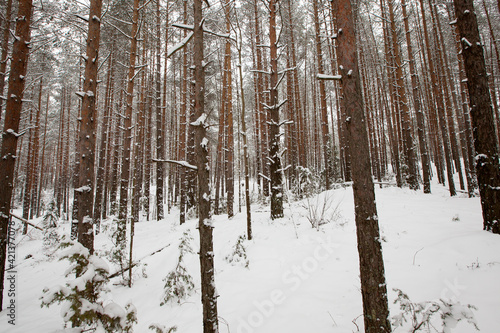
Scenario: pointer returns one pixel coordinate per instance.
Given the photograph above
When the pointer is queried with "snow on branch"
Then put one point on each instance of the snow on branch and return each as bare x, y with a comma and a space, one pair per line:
119, 30
183, 26
265, 177
260, 71
286, 168
200, 120
12, 132
191, 28
285, 122
143, 5
181, 163
334, 36
103, 62
279, 82
287, 70
328, 77
180, 45
466, 43
274, 107
84, 18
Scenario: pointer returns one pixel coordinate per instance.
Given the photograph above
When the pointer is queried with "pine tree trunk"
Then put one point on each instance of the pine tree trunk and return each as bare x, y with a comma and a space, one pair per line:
325, 132
42, 167
465, 123
36, 154
28, 183
245, 140
229, 119
446, 78
5, 51
487, 158
417, 105
373, 284
148, 131
86, 141
114, 165
19, 65
160, 140
182, 129
274, 116
125, 171
208, 290
440, 108
100, 193
390, 63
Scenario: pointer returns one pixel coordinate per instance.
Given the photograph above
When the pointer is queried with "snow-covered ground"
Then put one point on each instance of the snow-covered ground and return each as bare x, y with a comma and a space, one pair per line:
299, 279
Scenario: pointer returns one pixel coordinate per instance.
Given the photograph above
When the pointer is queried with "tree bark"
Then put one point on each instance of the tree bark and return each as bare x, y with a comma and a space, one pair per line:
229, 116
208, 291
373, 284
325, 132
19, 65
274, 116
86, 140
99, 193
125, 172
160, 140
487, 158
440, 108
5, 50
417, 104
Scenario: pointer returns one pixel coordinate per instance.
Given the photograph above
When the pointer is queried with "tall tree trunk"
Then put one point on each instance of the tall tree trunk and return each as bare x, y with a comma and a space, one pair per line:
373, 284
446, 78
492, 35
114, 166
325, 132
99, 192
160, 140
440, 107
36, 154
86, 141
487, 158
125, 172
28, 183
182, 129
208, 290
416, 104
274, 123
403, 107
245, 139
19, 65
229, 118
394, 137
148, 131
42, 167
463, 115
5, 51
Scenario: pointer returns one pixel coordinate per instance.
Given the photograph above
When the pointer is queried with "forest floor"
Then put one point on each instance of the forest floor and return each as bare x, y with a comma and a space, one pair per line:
299, 278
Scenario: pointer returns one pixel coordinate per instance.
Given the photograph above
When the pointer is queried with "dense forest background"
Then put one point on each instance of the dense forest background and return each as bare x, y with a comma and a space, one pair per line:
147, 108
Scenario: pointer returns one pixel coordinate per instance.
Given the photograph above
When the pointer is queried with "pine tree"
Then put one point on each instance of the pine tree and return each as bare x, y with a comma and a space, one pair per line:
373, 285
487, 158
10, 134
